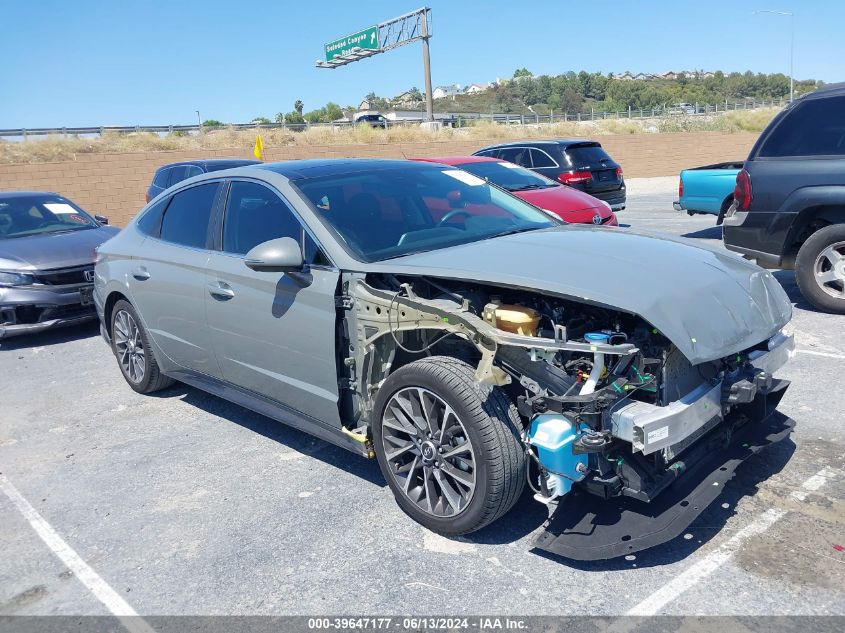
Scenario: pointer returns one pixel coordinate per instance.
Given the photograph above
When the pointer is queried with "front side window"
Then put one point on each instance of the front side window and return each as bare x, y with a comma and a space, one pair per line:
255, 214
186, 220
814, 128
400, 210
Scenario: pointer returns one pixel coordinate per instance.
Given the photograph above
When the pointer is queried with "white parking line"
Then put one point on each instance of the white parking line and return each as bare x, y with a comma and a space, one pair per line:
825, 354
87, 576
722, 554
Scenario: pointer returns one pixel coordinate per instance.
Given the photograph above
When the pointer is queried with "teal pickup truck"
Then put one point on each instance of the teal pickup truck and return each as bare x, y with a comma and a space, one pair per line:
707, 189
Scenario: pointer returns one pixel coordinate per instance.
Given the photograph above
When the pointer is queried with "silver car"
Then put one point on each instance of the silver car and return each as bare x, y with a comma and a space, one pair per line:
414, 313
46, 262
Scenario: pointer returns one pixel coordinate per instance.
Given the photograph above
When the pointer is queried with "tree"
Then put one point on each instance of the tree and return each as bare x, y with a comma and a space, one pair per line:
298, 106
262, 120
522, 72
571, 101
280, 117
415, 94
212, 123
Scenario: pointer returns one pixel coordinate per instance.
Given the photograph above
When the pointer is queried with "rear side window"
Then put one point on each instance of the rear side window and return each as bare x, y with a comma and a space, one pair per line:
814, 128
516, 155
161, 178
587, 155
186, 219
541, 159
177, 174
255, 214
150, 222
192, 170
487, 152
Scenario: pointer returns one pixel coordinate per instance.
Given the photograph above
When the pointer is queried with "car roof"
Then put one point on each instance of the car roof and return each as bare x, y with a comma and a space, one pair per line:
458, 160
4, 195
204, 162
317, 167
828, 90
564, 142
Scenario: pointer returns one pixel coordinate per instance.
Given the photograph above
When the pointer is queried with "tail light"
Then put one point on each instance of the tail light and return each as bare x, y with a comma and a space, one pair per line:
680, 188
147, 197
575, 177
742, 190
619, 173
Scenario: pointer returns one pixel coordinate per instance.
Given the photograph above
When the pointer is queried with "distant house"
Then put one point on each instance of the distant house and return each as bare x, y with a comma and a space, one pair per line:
405, 98
364, 105
643, 76
473, 89
441, 92
626, 76
671, 74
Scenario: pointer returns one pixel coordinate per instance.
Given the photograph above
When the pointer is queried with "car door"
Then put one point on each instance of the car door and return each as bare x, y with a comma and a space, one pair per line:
167, 278
273, 333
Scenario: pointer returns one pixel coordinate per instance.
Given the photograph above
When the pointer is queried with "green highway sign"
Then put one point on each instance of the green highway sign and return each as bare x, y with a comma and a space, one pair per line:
366, 40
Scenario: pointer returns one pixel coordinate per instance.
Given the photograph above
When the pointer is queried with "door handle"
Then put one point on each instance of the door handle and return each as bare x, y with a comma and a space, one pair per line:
141, 274
220, 290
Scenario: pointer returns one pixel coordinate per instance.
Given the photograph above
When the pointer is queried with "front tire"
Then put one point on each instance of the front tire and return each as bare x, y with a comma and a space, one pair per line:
820, 269
131, 347
449, 447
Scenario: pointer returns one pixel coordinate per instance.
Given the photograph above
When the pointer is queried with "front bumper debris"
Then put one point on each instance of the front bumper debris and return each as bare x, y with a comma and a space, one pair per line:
32, 309
586, 527
650, 428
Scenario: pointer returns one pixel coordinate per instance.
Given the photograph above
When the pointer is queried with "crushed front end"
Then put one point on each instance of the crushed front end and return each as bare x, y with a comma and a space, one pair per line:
627, 440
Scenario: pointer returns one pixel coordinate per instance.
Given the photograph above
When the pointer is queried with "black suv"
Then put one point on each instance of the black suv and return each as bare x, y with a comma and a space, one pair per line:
168, 175
789, 201
582, 164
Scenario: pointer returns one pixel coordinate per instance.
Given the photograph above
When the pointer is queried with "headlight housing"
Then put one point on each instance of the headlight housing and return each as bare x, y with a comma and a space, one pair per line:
9, 278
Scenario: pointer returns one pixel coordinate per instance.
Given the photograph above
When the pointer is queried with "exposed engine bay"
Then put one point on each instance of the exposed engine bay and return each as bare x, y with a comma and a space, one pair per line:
609, 405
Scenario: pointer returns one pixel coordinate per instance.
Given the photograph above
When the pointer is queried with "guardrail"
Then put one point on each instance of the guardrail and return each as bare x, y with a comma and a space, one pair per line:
456, 119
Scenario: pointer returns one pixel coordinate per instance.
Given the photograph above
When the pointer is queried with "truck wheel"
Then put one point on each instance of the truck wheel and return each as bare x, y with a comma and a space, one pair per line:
449, 447
131, 347
820, 269
725, 206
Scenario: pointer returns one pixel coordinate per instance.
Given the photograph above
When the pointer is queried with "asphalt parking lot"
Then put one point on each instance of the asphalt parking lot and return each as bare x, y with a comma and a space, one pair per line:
183, 503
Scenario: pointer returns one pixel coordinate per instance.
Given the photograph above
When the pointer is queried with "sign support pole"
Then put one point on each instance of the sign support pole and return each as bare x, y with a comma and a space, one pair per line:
429, 98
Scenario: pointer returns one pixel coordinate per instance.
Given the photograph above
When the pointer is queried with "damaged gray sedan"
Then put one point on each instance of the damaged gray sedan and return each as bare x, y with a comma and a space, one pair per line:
470, 343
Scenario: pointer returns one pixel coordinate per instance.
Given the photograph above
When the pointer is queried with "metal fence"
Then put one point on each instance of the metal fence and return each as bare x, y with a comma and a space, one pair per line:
454, 119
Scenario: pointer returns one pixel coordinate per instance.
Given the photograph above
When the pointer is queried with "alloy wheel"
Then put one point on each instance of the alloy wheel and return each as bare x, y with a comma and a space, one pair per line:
428, 452
129, 347
829, 270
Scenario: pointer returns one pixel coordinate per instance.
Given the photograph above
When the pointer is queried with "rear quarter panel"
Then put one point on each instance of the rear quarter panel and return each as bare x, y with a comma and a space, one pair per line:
706, 189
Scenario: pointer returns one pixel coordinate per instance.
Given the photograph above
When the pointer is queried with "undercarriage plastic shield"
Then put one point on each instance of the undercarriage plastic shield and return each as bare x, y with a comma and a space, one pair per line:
586, 527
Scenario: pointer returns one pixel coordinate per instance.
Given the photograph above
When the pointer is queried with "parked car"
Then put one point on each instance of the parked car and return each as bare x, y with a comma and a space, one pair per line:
708, 189
581, 164
469, 341
173, 173
790, 197
373, 120
682, 108
46, 261
569, 204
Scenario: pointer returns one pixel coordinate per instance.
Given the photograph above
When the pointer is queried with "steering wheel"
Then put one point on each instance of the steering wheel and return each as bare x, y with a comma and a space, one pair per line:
453, 214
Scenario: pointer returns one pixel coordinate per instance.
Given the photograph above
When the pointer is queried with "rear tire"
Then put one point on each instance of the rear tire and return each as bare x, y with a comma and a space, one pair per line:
131, 347
449, 447
820, 269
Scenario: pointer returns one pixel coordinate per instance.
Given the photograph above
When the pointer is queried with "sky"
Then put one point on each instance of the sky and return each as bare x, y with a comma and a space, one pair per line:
151, 62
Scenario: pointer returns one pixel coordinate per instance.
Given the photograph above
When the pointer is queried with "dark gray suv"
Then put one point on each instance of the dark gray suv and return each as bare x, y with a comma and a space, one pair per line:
789, 208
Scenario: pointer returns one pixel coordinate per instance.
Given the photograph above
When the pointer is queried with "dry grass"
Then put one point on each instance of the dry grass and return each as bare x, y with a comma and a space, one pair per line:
57, 148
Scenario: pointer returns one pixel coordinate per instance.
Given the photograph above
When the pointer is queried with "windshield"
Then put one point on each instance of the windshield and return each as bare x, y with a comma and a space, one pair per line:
36, 215
509, 176
397, 211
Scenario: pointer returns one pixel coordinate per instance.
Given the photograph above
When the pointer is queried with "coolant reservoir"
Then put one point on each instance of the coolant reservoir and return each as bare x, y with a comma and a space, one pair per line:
512, 318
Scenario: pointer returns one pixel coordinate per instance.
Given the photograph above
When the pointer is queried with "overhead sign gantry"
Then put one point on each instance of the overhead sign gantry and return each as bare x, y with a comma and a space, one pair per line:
408, 28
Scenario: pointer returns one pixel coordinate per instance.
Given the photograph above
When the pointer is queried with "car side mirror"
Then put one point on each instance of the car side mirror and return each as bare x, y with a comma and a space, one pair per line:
276, 256
101, 219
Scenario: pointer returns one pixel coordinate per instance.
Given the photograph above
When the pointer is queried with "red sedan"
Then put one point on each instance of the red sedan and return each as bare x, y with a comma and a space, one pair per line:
570, 205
